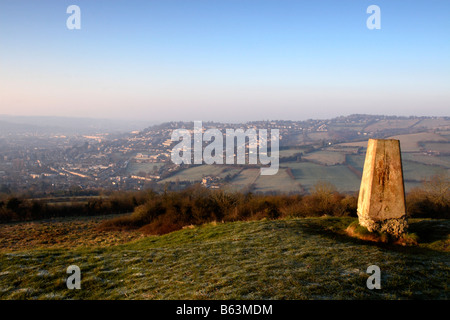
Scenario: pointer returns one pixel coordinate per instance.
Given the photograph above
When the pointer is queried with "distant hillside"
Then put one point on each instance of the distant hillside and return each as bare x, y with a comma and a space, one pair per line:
330, 150
65, 125
99, 155
10, 128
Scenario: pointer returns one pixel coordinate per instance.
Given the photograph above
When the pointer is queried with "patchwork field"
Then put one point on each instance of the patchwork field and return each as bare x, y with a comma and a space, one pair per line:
308, 258
340, 164
409, 142
414, 172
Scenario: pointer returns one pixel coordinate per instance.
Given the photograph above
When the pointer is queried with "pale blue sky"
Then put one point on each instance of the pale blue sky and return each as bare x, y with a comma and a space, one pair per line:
224, 60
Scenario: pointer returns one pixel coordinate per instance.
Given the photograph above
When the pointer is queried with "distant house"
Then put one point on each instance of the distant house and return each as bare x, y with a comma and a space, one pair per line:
211, 182
141, 158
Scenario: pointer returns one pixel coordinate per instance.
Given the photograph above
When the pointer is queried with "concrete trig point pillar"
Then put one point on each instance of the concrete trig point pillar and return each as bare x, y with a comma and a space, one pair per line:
381, 202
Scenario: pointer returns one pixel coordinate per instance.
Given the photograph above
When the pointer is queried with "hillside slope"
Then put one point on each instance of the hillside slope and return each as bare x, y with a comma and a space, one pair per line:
282, 259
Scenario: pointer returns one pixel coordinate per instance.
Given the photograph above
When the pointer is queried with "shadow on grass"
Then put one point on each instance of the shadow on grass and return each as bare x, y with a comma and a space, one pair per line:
429, 231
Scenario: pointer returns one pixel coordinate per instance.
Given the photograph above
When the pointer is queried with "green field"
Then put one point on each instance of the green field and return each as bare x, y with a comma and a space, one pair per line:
356, 160
443, 161
282, 259
196, 174
346, 126
419, 172
245, 178
391, 124
135, 168
290, 152
437, 147
328, 158
445, 134
280, 182
433, 123
318, 135
299, 139
411, 142
308, 174
346, 150
356, 144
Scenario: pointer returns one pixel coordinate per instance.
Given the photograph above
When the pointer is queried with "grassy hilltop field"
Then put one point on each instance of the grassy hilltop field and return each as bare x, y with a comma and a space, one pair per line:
293, 258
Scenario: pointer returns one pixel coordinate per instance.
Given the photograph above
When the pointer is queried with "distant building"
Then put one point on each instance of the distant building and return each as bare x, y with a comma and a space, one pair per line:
211, 182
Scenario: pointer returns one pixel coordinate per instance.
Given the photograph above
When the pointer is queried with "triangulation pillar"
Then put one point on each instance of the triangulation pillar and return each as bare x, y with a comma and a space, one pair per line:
381, 202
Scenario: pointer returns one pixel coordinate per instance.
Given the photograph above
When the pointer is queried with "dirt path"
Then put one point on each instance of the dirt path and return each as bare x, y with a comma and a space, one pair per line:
61, 233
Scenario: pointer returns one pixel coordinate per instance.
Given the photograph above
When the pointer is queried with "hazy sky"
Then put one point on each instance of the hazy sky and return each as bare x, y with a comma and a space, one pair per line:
224, 60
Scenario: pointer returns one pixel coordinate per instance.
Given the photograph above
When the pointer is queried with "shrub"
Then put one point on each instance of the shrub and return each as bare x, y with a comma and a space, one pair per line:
15, 208
431, 200
197, 205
